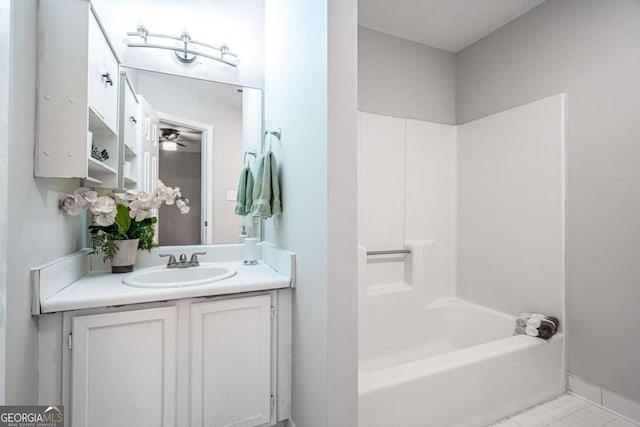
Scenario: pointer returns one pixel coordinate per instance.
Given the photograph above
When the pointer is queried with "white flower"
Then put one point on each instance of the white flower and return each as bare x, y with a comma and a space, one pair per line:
182, 205
120, 200
164, 194
139, 210
104, 211
73, 205
86, 194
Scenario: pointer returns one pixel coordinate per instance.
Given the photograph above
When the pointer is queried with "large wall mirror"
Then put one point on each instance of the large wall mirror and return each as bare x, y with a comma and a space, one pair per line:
186, 118
200, 131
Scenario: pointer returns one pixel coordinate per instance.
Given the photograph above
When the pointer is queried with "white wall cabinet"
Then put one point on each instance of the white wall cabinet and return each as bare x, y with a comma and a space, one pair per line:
78, 89
231, 362
124, 363
129, 133
103, 76
201, 362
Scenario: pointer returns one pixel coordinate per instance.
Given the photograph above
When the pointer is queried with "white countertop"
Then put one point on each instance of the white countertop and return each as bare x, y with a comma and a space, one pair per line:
103, 289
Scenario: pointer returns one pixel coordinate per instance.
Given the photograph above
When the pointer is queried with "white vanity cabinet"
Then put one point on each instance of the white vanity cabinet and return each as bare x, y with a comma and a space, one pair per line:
77, 103
200, 362
231, 362
124, 363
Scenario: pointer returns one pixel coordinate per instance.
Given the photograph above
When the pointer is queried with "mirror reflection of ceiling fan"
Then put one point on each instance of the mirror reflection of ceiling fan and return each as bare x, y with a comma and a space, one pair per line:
171, 135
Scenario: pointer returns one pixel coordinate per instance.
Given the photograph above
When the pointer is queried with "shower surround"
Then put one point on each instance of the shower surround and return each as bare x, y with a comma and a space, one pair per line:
481, 207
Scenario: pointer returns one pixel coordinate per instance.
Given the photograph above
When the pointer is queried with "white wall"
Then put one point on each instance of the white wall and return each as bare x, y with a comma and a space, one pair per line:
589, 50
407, 199
221, 107
38, 232
401, 78
239, 23
311, 95
407, 196
5, 25
511, 209
342, 206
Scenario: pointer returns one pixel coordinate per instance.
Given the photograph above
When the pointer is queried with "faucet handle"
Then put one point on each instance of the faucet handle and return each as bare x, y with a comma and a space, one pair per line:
194, 257
172, 258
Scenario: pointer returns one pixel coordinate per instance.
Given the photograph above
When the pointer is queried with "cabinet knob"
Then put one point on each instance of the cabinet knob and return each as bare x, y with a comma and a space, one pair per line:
133, 120
107, 79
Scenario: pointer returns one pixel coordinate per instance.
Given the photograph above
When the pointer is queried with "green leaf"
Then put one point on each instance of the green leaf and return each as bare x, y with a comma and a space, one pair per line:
123, 220
143, 230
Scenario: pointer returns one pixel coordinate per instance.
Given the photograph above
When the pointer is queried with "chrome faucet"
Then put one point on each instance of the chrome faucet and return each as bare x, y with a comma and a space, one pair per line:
183, 263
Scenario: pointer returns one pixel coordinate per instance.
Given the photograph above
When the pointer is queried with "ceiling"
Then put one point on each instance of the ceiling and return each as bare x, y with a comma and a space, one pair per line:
450, 25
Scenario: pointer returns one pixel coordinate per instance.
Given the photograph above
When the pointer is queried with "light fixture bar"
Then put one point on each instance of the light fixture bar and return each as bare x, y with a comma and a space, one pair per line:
182, 53
178, 50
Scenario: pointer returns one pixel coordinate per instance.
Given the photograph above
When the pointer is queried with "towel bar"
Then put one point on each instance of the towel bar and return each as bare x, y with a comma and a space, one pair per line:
390, 252
277, 133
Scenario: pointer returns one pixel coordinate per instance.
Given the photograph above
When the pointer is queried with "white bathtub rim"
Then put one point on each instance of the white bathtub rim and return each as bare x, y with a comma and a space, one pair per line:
456, 301
372, 381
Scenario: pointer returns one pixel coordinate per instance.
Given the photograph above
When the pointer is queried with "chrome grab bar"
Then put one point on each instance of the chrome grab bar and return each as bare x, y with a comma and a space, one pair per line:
390, 252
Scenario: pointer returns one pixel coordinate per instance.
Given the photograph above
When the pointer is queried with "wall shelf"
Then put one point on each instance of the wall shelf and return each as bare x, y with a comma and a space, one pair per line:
99, 167
98, 126
129, 151
96, 182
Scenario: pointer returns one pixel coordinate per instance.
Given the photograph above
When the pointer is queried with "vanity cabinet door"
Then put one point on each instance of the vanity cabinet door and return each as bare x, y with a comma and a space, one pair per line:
124, 369
231, 362
103, 76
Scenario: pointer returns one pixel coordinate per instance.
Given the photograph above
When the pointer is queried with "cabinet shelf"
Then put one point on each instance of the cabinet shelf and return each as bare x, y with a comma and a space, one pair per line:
129, 181
94, 181
99, 168
98, 126
129, 151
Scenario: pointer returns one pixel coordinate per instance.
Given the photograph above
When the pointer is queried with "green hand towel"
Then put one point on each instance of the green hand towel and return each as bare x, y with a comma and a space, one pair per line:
266, 191
245, 192
248, 204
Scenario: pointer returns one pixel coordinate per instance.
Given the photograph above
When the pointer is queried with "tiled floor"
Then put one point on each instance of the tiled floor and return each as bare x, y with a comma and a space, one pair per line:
566, 411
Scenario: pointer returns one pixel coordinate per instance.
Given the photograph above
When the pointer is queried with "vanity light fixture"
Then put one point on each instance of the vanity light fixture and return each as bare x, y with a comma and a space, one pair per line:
184, 47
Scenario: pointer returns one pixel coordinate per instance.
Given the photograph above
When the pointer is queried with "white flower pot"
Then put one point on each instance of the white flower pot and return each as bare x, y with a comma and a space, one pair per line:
124, 257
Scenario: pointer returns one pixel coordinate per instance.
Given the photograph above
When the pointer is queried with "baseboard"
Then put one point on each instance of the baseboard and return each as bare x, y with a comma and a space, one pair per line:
608, 400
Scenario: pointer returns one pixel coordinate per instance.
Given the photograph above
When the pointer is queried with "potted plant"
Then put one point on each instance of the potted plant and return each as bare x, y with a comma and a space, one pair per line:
123, 224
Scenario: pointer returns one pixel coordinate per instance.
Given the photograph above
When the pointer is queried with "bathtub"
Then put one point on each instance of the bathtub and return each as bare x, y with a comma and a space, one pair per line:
457, 365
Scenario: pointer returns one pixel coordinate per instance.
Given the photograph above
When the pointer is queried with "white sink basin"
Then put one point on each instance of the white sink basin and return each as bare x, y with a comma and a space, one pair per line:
162, 277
